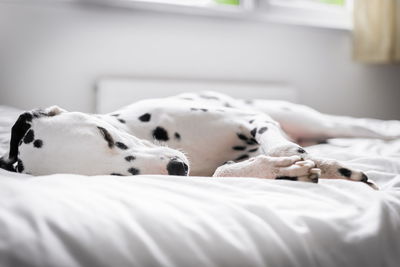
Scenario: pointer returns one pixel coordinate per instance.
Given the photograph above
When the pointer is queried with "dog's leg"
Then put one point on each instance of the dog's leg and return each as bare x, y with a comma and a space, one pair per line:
274, 143
304, 123
288, 165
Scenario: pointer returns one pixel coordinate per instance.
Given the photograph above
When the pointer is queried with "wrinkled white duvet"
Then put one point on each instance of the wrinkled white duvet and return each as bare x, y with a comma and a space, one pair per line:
72, 220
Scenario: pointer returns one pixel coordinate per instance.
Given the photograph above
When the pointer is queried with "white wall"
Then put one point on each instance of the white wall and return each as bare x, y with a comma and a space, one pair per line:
53, 54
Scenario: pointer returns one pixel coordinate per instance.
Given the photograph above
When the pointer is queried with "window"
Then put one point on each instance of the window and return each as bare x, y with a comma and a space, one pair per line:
321, 13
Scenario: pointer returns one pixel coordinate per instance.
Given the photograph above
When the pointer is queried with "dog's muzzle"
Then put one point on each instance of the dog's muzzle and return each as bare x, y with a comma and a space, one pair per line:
177, 167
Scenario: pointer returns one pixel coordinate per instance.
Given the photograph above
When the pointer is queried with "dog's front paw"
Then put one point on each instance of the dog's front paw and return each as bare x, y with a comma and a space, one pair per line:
295, 169
281, 168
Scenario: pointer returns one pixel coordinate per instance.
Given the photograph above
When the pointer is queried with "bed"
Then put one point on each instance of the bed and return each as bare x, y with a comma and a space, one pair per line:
74, 220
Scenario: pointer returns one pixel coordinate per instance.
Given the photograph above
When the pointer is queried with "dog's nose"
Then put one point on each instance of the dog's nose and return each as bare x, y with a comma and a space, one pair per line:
177, 167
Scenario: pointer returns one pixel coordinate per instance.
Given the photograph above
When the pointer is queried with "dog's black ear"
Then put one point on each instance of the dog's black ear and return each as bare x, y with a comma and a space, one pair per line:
21, 126
18, 131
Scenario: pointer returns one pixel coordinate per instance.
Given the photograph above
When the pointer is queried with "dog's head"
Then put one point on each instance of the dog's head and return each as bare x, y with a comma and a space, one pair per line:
56, 141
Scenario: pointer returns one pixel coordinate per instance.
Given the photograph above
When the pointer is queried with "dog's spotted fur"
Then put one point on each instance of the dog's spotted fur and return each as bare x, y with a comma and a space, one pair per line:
207, 128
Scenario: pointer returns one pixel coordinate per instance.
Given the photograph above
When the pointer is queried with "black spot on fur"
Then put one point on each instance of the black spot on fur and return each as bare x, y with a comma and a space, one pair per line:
121, 145
20, 166
227, 105
133, 171
364, 178
242, 137
177, 136
240, 148
29, 137
253, 132
251, 121
107, 136
145, 117
130, 158
121, 121
196, 109
161, 134
262, 130
314, 178
252, 141
290, 178
116, 174
228, 162
345, 172
38, 143
242, 157
253, 150
115, 115
322, 142
301, 150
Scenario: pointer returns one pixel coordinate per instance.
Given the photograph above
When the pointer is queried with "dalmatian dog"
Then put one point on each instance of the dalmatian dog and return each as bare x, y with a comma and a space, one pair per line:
201, 134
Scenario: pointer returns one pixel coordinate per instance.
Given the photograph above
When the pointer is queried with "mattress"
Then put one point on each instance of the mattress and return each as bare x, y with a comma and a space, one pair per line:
74, 220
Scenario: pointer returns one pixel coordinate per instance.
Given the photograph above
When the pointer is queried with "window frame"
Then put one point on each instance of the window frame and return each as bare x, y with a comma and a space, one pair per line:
316, 15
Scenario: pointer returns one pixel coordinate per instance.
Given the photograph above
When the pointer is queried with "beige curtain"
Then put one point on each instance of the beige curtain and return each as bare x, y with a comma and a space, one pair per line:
377, 31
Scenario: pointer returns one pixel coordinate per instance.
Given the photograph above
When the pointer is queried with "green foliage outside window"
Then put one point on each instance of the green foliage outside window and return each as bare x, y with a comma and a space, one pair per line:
237, 2
333, 2
228, 2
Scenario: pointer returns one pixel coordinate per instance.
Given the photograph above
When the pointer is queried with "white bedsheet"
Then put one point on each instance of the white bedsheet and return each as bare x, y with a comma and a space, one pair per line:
72, 220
